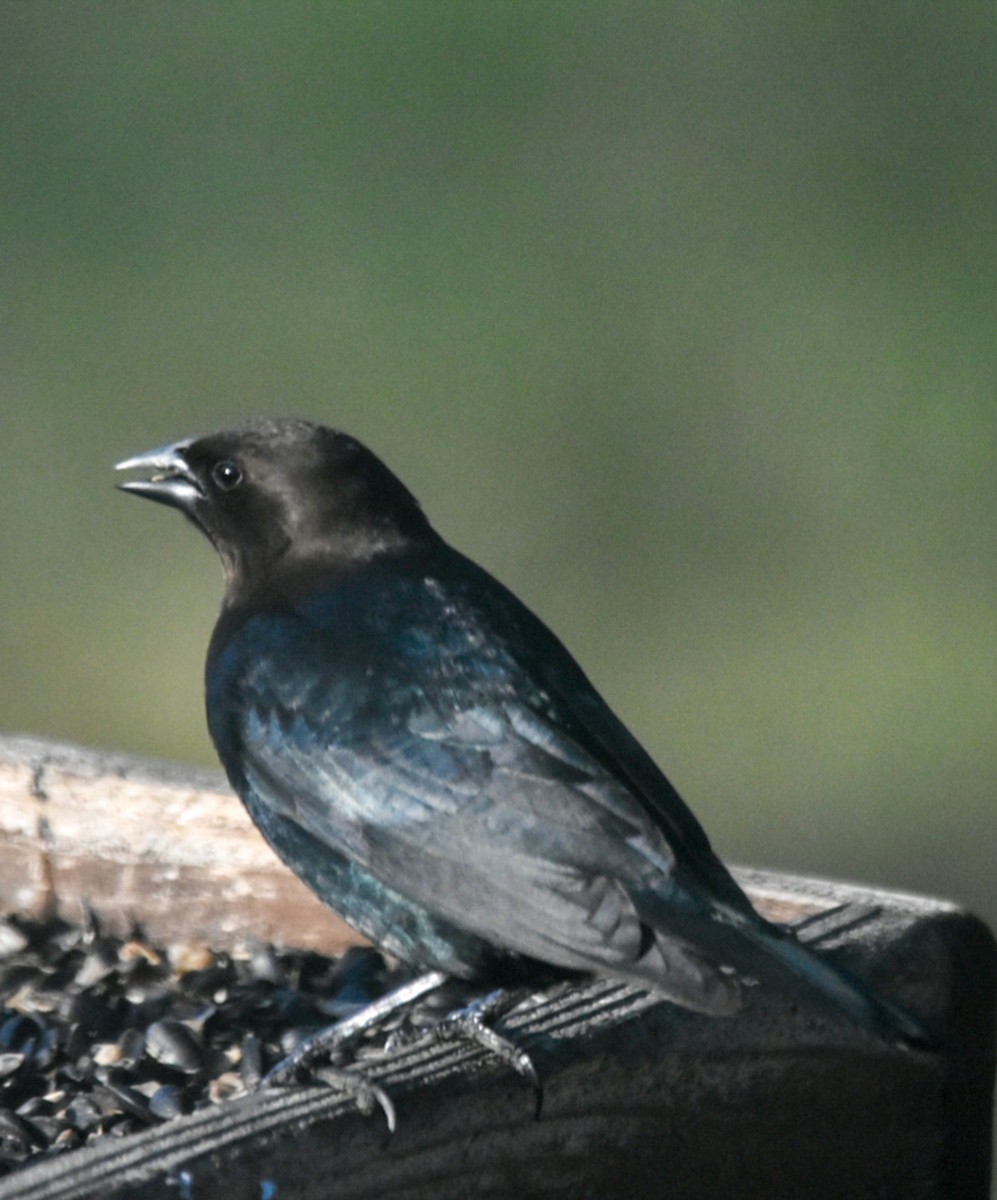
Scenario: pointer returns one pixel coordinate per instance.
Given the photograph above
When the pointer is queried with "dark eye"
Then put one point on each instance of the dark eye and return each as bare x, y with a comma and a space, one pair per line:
226, 475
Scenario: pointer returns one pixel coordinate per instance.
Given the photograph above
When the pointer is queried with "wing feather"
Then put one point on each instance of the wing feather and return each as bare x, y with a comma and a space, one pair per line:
470, 786
515, 837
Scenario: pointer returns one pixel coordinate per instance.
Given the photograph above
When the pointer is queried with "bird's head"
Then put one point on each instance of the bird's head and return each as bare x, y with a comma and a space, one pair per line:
281, 496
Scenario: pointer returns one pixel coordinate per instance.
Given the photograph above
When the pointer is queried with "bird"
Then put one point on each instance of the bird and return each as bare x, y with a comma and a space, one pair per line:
421, 749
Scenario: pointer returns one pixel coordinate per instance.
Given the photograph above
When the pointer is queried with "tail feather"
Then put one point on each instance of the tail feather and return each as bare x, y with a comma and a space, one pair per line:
783, 959
693, 944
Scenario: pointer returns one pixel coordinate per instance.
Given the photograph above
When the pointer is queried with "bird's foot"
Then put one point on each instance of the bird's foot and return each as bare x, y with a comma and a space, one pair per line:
328, 1041
471, 1023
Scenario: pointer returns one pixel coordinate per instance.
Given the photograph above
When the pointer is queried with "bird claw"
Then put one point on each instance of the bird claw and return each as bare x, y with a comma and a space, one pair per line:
289, 1069
367, 1094
470, 1023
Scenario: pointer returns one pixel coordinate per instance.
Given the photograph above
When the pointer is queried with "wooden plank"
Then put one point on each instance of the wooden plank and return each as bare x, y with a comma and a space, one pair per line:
141, 839
639, 1098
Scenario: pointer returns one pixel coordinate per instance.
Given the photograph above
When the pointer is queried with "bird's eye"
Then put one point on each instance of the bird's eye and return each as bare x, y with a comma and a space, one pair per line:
226, 475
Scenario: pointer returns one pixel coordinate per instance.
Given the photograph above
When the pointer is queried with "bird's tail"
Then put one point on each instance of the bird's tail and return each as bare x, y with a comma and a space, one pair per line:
784, 960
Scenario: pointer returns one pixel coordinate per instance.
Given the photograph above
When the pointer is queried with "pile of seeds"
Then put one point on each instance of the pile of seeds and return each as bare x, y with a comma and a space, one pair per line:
103, 1035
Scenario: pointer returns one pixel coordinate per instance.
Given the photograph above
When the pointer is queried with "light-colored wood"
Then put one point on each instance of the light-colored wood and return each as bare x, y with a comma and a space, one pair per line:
140, 840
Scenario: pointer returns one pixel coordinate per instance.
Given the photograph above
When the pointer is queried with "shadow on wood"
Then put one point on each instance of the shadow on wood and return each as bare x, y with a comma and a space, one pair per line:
639, 1098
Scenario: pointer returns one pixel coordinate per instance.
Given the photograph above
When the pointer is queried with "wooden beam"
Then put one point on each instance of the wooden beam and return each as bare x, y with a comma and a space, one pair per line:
639, 1098
144, 840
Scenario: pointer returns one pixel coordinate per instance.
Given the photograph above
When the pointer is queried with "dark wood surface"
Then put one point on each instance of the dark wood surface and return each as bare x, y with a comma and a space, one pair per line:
639, 1098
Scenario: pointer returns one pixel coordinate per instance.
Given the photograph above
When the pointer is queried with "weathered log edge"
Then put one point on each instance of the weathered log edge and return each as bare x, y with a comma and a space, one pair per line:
145, 840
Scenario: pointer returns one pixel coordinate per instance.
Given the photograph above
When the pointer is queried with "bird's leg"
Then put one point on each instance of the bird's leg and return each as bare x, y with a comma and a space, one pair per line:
471, 1024
327, 1040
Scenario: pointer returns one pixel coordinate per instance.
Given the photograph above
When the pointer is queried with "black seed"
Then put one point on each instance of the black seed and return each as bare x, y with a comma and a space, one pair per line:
46, 1129
16, 1132
114, 1096
168, 1102
69, 1139
33, 1107
10, 1061
12, 939
110, 1036
83, 1114
132, 1046
175, 1045
251, 1066
97, 1013
122, 1128
225, 1087
100, 962
264, 964
76, 1075
20, 1033
77, 1042
48, 1048
89, 927
17, 975
358, 976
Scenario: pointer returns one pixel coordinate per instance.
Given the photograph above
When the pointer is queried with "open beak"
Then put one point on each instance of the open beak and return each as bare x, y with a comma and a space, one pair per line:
171, 480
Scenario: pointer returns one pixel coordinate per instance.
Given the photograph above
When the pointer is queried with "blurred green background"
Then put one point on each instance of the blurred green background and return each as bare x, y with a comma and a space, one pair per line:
678, 317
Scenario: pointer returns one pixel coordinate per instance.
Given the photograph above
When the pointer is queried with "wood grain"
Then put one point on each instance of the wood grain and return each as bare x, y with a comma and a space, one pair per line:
142, 840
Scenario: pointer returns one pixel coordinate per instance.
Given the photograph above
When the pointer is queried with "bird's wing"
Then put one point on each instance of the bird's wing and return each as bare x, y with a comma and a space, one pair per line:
587, 720
482, 814
462, 783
